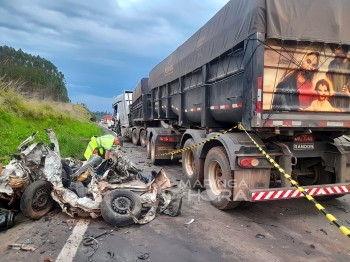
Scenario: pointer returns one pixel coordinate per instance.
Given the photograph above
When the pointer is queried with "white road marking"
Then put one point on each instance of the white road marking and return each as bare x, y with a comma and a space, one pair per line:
70, 248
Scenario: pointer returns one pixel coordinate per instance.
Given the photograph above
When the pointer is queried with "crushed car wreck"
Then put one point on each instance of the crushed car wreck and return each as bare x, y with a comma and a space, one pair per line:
115, 189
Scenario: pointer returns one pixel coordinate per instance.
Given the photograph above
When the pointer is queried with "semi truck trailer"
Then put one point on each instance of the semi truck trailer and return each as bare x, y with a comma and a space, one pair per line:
280, 69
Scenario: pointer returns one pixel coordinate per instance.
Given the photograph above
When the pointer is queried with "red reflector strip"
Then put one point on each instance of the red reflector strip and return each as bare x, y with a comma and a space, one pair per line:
287, 123
225, 107
214, 107
295, 193
236, 105
268, 123
333, 124
260, 82
258, 106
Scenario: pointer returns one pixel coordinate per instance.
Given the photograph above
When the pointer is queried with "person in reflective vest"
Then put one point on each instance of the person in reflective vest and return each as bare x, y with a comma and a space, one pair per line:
100, 146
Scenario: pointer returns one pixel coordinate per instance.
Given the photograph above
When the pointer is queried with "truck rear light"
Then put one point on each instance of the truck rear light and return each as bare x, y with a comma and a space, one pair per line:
166, 139
249, 162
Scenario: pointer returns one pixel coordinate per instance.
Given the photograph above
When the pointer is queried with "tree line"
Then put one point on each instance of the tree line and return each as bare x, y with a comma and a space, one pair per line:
98, 115
38, 75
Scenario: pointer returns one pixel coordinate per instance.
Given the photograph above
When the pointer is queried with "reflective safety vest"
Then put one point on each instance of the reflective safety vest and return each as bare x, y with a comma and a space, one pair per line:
94, 143
100, 143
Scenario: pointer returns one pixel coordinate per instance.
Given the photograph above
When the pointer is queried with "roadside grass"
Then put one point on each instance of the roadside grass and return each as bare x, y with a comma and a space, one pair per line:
19, 118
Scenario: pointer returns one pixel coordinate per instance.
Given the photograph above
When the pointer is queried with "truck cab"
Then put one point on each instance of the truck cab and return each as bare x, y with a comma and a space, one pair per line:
121, 113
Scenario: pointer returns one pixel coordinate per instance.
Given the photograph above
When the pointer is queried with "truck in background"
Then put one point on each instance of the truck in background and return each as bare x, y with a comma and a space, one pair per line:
249, 65
132, 114
121, 112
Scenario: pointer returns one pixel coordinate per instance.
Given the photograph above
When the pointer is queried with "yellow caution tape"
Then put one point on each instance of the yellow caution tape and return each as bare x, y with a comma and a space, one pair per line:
330, 217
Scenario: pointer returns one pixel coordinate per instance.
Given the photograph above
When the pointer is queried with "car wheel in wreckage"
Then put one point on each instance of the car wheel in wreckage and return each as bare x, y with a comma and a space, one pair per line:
36, 200
115, 206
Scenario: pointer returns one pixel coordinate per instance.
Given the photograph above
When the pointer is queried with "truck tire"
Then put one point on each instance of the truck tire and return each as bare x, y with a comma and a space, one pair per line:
135, 139
192, 165
153, 155
36, 200
321, 177
115, 204
143, 138
218, 179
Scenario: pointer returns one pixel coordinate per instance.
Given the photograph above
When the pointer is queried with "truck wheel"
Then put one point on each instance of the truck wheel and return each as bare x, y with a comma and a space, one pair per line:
153, 155
143, 138
115, 205
218, 179
135, 139
192, 165
36, 200
319, 176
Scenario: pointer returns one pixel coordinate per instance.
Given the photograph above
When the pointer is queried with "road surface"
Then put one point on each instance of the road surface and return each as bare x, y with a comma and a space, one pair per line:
286, 230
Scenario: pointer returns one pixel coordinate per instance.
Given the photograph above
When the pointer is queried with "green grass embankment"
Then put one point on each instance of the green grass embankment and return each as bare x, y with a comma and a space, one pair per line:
19, 118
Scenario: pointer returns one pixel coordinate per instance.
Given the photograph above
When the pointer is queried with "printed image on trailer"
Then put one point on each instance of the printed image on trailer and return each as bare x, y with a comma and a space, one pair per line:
306, 77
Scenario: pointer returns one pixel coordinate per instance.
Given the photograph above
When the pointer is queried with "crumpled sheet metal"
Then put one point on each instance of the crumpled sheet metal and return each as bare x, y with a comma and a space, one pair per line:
65, 196
53, 169
53, 140
159, 197
150, 215
28, 165
13, 173
72, 162
167, 203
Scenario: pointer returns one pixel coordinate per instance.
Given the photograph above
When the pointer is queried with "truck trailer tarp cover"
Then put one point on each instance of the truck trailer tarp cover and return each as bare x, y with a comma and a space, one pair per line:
304, 20
140, 89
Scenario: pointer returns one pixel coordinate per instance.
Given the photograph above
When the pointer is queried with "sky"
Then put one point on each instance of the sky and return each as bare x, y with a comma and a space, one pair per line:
102, 46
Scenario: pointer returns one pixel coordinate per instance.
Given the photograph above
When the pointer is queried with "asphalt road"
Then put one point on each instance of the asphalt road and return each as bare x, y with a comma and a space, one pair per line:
285, 230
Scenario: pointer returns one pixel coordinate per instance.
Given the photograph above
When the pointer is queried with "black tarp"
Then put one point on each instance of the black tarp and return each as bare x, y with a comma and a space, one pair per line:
311, 20
140, 89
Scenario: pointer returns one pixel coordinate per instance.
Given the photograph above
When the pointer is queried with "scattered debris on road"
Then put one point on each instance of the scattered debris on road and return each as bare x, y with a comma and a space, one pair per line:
260, 236
143, 256
23, 247
190, 222
324, 231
